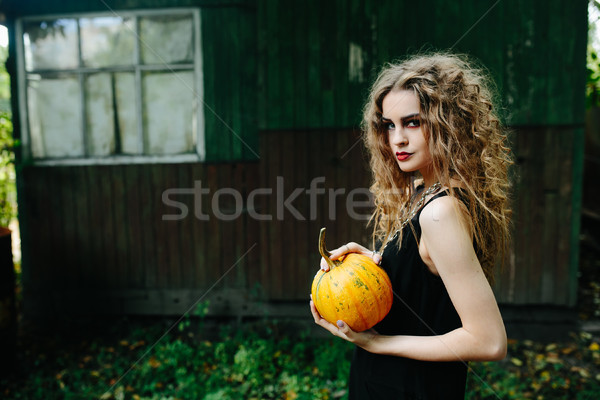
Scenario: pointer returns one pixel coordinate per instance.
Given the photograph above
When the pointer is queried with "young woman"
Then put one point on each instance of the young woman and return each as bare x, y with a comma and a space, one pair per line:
439, 159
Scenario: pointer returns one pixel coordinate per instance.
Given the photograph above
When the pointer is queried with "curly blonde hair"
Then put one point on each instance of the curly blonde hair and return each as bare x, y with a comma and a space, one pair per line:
467, 142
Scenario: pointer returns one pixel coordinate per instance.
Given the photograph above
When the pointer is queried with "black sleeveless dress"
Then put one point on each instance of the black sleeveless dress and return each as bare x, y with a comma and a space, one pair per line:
421, 307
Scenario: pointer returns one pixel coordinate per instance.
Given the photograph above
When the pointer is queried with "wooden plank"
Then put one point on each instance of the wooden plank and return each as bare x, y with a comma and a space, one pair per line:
186, 241
447, 35
149, 234
238, 183
315, 39
236, 35
223, 210
156, 176
216, 81
262, 74
287, 258
214, 255
300, 62
341, 180
340, 65
286, 85
253, 232
275, 100
86, 249
36, 271
276, 258
55, 216
537, 210
568, 216
577, 144
327, 26
200, 225
107, 199
524, 230
547, 241
264, 207
303, 270
132, 226
119, 239
249, 94
173, 240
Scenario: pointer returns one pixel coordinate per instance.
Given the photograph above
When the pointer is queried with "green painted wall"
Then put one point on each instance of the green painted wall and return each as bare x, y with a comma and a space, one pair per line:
310, 75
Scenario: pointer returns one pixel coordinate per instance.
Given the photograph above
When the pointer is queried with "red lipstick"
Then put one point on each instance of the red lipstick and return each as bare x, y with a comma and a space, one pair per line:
401, 156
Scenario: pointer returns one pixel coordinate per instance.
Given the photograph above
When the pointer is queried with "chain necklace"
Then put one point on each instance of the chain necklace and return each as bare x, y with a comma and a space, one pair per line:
430, 190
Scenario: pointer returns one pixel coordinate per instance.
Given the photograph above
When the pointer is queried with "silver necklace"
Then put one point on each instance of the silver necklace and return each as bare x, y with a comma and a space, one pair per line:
430, 190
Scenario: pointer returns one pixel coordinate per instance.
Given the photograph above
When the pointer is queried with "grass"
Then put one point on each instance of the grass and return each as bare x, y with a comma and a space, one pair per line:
259, 360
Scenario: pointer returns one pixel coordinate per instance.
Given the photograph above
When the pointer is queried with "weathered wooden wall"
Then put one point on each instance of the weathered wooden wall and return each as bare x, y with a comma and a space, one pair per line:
542, 266
292, 76
316, 59
98, 241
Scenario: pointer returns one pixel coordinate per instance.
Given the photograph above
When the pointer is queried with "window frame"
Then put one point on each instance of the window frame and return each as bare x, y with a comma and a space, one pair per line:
138, 68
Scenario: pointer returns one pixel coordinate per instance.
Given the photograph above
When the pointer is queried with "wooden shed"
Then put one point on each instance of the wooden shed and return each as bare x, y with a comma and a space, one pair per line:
186, 150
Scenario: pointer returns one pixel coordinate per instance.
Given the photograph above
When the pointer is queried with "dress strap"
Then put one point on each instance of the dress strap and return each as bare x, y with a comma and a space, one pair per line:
435, 196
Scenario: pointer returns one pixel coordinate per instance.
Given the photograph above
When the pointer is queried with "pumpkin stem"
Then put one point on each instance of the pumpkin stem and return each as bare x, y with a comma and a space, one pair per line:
324, 253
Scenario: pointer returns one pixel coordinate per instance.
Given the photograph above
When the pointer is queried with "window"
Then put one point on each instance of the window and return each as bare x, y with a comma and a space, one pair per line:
111, 88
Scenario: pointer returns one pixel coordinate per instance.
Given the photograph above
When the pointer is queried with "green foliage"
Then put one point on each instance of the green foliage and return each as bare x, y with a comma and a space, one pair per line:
267, 360
593, 78
541, 371
7, 171
593, 61
8, 197
4, 77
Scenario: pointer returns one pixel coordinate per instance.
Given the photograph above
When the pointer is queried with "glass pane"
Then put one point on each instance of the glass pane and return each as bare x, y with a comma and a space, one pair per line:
107, 41
51, 44
100, 115
54, 113
165, 40
127, 114
169, 112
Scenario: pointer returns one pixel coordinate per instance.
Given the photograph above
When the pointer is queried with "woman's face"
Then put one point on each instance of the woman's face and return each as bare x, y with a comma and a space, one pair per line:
406, 137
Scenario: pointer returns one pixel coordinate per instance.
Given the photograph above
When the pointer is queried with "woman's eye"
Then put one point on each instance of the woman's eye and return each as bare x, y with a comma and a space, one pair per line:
390, 126
413, 123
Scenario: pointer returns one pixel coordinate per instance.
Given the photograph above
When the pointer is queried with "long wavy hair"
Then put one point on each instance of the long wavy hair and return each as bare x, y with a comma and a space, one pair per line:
467, 142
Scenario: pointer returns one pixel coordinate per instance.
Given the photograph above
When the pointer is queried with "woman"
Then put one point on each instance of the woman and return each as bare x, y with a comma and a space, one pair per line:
439, 160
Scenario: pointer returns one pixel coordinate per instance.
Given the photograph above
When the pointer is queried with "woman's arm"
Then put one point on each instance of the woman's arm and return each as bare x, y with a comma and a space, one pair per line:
482, 335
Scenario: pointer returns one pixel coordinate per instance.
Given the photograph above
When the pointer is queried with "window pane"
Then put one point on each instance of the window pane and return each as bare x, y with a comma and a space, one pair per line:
127, 113
169, 112
51, 44
107, 41
165, 40
100, 115
55, 117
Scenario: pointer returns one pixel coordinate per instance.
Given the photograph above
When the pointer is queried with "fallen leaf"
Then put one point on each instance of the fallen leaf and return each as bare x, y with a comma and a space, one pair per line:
153, 362
551, 347
516, 361
568, 350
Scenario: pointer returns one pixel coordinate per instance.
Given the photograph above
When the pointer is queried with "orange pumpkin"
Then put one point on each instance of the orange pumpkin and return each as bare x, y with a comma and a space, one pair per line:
354, 290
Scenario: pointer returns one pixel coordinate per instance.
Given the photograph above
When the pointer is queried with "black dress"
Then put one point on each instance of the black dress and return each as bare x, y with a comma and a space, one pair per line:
421, 307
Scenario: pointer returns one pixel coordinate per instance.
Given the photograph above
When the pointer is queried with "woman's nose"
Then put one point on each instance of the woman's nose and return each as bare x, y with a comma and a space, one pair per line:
397, 137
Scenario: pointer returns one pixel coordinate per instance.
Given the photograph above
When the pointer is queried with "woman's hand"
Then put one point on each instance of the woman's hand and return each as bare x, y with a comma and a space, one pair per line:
351, 248
342, 330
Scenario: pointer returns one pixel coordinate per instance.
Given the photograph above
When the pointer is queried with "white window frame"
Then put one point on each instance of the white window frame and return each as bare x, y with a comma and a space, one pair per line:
138, 68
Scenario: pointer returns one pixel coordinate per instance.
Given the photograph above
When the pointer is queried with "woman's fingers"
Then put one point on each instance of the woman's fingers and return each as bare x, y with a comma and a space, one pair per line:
350, 248
320, 320
341, 329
